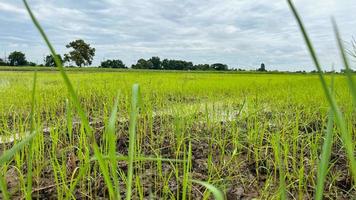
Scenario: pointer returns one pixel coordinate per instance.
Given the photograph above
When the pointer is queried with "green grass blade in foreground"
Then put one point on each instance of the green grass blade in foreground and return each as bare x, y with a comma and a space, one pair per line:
3, 188
325, 158
104, 169
111, 136
348, 70
216, 192
32, 130
345, 135
7, 155
132, 138
58, 63
72, 93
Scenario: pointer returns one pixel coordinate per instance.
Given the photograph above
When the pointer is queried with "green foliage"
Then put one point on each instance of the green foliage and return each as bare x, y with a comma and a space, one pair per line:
49, 60
202, 67
82, 54
219, 67
262, 68
156, 62
113, 64
142, 64
2, 62
17, 58
176, 65
345, 133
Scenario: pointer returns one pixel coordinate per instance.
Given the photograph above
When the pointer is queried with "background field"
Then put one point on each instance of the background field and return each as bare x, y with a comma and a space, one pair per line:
225, 126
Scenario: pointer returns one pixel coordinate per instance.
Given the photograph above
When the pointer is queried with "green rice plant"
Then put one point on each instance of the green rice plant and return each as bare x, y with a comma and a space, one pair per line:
345, 133
325, 158
215, 191
278, 154
8, 154
132, 138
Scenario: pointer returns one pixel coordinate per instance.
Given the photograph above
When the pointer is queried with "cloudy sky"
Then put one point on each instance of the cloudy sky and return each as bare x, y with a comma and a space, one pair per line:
240, 33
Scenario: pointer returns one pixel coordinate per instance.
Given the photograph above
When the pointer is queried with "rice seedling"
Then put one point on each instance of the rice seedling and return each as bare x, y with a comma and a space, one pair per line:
86, 134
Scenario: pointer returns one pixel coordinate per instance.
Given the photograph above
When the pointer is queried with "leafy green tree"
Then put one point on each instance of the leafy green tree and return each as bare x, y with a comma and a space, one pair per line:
176, 65
31, 64
49, 60
219, 67
112, 64
82, 53
143, 64
202, 67
17, 58
156, 62
2, 62
165, 64
262, 68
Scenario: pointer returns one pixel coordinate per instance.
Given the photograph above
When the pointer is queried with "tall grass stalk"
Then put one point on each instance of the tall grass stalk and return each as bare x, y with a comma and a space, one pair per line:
345, 134
132, 138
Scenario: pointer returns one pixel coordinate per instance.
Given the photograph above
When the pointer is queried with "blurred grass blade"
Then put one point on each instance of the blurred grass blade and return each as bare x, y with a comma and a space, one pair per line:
325, 158
216, 192
7, 155
3, 188
132, 138
348, 70
104, 169
345, 134
111, 136
58, 63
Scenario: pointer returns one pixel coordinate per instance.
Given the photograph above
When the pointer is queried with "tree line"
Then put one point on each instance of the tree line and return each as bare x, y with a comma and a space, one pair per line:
82, 54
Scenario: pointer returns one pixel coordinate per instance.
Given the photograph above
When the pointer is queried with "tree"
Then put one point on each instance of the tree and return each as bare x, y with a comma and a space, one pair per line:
49, 60
31, 64
2, 62
262, 68
82, 53
112, 64
143, 64
219, 66
156, 62
17, 58
176, 65
202, 67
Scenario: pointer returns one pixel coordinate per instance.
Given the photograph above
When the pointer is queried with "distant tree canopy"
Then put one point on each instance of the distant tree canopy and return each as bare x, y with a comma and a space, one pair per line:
262, 68
17, 58
156, 62
176, 65
31, 64
2, 62
112, 64
219, 67
142, 64
167, 64
82, 53
49, 60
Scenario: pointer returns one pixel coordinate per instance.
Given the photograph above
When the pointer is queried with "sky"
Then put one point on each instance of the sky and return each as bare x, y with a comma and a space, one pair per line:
240, 33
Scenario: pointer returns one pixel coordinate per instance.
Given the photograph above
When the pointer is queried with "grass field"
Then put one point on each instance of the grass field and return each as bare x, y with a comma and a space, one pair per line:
88, 134
238, 132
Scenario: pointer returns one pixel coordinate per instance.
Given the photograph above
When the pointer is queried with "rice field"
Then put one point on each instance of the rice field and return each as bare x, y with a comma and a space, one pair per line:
238, 132
87, 134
